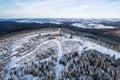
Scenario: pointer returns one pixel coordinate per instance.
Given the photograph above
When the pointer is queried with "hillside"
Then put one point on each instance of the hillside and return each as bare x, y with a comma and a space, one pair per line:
53, 55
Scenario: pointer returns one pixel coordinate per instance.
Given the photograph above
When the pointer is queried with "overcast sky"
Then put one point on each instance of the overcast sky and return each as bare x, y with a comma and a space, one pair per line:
59, 8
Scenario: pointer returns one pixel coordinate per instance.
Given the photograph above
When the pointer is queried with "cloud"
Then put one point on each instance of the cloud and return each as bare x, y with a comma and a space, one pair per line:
61, 8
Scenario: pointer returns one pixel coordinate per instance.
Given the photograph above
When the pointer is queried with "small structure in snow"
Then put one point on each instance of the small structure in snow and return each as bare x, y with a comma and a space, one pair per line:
57, 33
92, 44
69, 36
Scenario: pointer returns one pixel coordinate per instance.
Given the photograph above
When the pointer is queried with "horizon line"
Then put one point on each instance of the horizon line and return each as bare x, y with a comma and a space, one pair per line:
60, 18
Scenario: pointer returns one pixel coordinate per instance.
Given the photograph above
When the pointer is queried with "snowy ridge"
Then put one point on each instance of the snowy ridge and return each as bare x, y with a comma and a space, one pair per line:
38, 21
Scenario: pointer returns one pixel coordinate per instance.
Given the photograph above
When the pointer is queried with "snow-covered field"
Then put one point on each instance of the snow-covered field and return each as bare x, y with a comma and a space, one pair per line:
38, 56
92, 26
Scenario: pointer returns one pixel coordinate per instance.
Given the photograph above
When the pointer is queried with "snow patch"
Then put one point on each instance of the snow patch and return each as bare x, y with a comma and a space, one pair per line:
92, 26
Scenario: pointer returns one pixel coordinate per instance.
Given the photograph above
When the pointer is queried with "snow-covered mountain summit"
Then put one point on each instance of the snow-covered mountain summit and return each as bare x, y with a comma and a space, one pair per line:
56, 55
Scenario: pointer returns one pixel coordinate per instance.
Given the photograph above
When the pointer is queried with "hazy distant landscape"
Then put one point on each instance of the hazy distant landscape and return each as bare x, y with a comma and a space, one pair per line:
21, 24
